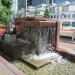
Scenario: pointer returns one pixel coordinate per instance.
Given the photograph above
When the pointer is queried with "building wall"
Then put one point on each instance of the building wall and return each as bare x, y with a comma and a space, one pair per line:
65, 14
65, 8
72, 7
21, 4
36, 11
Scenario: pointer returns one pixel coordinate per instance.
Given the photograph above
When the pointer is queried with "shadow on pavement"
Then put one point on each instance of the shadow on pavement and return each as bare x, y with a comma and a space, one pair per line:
67, 56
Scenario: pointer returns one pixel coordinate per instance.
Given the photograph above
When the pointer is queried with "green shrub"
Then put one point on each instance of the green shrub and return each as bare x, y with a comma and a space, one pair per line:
5, 11
2, 25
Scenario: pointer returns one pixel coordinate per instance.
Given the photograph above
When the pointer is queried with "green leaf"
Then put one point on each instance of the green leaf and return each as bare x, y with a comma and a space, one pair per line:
5, 10
46, 14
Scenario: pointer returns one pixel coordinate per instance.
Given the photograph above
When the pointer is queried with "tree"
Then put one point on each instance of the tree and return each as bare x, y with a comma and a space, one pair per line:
46, 14
5, 11
6, 3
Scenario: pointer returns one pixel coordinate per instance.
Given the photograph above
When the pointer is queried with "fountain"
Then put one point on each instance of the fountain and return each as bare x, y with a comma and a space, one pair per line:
40, 37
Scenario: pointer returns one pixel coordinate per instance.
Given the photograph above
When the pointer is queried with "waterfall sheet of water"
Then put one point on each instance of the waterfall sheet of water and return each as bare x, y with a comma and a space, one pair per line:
53, 57
40, 39
41, 44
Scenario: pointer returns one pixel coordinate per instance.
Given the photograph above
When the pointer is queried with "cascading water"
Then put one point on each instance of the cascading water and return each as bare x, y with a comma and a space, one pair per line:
40, 41
40, 38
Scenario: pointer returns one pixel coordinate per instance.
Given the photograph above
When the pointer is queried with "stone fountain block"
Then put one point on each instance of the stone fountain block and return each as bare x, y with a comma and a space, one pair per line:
12, 49
30, 27
35, 30
38, 34
37, 64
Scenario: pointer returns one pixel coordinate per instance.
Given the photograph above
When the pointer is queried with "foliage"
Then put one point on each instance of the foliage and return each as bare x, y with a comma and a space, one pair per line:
6, 3
5, 11
2, 25
46, 14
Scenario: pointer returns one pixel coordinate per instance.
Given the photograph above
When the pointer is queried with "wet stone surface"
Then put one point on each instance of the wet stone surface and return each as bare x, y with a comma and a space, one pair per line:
54, 68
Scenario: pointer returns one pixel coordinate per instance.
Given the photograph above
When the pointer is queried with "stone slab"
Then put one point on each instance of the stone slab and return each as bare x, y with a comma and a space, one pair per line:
37, 63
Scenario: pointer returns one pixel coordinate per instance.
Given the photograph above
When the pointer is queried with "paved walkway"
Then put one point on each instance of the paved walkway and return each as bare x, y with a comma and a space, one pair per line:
67, 47
55, 68
8, 69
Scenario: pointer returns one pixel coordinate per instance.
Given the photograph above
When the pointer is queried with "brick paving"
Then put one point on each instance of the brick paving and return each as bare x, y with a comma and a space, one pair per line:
66, 45
4, 70
63, 68
7, 68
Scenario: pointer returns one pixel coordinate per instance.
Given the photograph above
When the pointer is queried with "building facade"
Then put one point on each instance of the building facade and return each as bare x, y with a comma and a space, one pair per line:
23, 7
65, 13
36, 11
37, 2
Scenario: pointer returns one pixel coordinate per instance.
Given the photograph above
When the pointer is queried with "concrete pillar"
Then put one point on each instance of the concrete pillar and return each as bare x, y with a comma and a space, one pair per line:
25, 11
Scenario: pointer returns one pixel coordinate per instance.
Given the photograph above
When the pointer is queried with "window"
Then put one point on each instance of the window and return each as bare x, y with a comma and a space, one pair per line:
73, 24
64, 16
57, 16
54, 16
51, 16
69, 16
73, 15
29, 2
65, 8
66, 24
